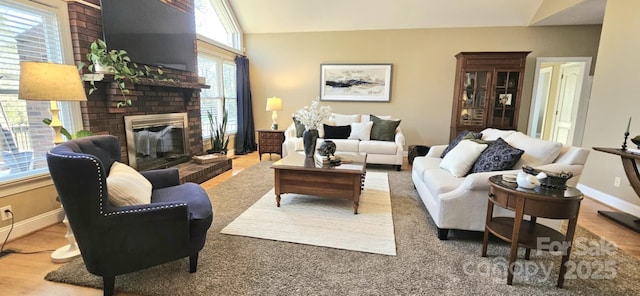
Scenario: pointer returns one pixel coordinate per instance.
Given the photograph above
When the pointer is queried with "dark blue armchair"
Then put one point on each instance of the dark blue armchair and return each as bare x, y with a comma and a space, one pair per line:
118, 240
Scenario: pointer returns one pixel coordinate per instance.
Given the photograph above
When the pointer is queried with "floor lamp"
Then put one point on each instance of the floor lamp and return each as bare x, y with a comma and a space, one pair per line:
53, 82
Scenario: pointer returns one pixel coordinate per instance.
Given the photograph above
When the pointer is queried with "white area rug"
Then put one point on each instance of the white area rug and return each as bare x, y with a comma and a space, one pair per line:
325, 222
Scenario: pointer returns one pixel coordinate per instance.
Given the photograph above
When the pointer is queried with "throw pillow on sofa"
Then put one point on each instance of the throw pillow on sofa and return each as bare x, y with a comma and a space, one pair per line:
492, 134
344, 119
337, 132
383, 130
537, 152
462, 157
361, 131
367, 117
498, 156
464, 135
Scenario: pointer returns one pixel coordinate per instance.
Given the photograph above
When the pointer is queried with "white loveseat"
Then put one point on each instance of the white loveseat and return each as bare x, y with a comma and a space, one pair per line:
378, 152
461, 202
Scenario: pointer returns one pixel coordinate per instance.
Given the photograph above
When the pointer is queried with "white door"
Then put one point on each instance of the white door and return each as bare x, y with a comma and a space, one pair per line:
540, 101
567, 103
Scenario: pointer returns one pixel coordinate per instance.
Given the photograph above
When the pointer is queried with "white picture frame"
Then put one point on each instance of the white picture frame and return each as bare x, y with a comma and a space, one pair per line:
355, 82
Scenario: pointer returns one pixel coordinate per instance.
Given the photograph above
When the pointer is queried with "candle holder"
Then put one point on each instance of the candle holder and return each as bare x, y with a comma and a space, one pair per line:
624, 144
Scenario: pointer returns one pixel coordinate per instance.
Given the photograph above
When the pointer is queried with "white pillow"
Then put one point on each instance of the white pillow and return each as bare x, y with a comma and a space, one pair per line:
492, 134
361, 131
127, 187
342, 119
537, 152
462, 157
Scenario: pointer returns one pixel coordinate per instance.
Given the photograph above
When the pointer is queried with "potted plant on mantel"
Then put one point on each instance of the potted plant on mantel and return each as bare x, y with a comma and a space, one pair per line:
218, 132
118, 63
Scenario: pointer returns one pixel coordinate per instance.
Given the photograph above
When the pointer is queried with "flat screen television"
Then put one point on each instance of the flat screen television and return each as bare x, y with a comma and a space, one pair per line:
152, 32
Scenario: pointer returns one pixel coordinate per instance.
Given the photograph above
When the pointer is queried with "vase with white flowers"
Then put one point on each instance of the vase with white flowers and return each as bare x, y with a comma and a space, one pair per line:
312, 118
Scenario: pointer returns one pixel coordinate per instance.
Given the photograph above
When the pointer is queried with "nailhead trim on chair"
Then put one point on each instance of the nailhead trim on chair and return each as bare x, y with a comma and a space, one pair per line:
100, 173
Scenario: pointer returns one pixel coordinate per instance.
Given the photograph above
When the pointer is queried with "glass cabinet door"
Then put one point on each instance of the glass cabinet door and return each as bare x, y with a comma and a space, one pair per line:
504, 101
474, 98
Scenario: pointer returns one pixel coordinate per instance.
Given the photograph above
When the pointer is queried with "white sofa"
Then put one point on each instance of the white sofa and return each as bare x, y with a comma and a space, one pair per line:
461, 202
378, 152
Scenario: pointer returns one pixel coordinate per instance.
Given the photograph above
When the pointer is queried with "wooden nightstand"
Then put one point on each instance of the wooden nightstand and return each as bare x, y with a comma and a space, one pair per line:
270, 141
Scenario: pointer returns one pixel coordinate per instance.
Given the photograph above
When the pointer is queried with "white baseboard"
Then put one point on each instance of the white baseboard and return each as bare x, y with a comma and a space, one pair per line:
33, 224
610, 200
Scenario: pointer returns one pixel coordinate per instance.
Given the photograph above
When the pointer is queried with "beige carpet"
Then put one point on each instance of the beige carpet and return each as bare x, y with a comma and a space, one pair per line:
325, 222
240, 265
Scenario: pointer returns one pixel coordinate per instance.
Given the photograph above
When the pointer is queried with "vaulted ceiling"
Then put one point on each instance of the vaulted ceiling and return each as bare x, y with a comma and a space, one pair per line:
279, 16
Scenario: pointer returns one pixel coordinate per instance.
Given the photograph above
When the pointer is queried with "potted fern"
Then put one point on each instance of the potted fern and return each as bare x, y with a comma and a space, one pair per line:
218, 132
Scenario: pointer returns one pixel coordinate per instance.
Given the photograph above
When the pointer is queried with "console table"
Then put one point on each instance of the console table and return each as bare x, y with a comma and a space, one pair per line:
538, 202
631, 170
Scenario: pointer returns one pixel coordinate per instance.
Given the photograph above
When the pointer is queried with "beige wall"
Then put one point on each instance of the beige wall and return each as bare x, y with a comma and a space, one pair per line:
614, 99
30, 203
288, 66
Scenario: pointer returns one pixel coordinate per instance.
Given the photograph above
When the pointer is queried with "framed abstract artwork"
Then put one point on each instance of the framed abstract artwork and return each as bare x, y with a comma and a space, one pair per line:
355, 82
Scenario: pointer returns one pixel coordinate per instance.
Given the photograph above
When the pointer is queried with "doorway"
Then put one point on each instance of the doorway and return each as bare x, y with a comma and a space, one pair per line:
560, 98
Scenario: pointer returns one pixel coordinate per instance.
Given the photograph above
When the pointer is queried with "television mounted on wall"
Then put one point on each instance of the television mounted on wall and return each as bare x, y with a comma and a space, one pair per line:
152, 32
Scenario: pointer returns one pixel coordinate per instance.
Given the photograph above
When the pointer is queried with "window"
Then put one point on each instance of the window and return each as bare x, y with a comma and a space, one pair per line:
220, 74
29, 31
216, 24
219, 39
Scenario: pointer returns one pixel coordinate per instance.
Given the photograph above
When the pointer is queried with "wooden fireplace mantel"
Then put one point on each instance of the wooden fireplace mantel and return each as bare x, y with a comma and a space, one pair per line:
631, 170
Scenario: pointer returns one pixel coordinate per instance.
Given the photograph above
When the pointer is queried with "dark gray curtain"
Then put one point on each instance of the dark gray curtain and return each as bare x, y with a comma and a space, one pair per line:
245, 138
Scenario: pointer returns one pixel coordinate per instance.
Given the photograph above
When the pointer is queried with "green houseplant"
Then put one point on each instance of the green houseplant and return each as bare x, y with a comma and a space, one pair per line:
218, 132
118, 63
67, 134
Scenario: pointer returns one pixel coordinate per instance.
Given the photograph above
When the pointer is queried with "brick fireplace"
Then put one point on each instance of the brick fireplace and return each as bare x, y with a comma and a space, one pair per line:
100, 114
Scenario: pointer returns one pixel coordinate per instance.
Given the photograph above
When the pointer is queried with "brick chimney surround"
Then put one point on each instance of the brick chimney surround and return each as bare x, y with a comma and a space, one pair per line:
100, 114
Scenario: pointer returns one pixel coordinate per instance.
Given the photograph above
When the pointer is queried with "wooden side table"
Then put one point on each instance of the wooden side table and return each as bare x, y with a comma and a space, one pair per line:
537, 202
270, 141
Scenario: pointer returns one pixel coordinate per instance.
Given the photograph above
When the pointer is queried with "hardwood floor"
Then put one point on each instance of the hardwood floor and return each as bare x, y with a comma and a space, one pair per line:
24, 274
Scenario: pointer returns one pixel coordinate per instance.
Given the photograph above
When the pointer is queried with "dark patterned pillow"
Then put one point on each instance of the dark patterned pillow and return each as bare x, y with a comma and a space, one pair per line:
464, 135
299, 128
337, 132
499, 156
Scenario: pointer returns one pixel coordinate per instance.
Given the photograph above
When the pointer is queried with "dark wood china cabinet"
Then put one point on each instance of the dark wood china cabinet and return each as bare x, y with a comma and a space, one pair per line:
488, 86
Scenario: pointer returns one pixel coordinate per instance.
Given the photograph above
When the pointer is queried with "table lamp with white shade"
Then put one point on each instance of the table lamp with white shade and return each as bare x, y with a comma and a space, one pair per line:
41, 81
274, 104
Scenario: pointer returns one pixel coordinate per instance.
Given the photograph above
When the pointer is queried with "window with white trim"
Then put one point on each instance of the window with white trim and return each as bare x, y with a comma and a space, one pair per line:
216, 22
220, 74
30, 31
217, 27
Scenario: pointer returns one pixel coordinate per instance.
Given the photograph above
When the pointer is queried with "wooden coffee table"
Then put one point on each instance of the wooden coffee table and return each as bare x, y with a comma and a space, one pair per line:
298, 174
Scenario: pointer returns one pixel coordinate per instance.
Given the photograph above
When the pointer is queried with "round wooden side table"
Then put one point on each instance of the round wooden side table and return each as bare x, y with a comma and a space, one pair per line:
538, 202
